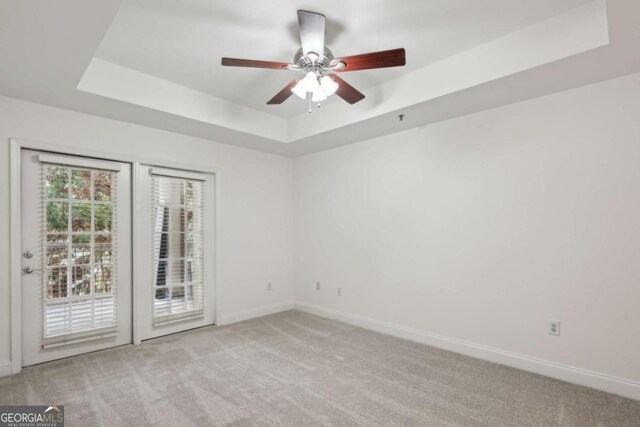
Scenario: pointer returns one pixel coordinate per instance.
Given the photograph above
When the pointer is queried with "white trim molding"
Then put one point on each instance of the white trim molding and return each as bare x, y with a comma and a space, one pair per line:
252, 313
15, 256
609, 384
137, 296
5, 368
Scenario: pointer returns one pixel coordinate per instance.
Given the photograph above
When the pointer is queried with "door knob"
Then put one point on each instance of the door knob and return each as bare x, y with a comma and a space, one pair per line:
28, 269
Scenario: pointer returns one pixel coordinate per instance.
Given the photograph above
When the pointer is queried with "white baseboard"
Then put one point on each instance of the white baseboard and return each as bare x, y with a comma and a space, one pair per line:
239, 316
5, 368
622, 387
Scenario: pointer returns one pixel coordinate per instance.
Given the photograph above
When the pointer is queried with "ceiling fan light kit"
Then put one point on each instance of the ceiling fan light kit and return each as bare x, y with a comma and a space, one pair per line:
319, 67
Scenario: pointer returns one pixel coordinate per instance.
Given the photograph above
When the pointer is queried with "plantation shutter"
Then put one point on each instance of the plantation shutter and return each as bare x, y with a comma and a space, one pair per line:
79, 228
177, 245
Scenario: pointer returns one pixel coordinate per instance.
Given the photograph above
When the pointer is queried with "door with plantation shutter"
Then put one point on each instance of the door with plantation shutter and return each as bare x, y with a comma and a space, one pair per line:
76, 247
175, 277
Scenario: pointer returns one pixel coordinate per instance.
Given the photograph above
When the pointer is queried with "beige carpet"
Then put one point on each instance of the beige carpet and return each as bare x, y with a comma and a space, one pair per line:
298, 370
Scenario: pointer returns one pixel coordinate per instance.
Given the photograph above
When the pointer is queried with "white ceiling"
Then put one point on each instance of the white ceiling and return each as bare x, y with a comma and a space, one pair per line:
65, 53
183, 41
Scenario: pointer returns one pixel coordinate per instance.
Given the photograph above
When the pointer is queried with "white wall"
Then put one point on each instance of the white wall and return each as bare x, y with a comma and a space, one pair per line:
254, 202
483, 228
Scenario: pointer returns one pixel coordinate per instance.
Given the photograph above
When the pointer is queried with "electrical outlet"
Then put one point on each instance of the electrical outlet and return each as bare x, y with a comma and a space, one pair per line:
339, 291
269, 286
554, 327
317, 286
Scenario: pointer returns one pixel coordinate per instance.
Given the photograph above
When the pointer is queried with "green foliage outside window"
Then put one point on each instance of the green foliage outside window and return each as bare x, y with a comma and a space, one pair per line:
69, 209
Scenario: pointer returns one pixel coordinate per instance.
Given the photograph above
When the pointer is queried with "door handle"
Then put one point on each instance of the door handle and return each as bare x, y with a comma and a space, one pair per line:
28, 270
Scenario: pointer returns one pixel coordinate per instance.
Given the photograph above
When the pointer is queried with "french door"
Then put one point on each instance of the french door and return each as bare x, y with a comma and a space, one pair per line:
76, 255
174, 278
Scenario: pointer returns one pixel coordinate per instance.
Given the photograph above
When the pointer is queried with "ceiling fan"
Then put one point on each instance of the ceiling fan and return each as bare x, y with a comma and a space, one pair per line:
319, 66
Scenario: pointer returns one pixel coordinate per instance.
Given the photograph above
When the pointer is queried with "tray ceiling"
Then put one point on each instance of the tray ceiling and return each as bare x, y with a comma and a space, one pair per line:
183, 41
156, 62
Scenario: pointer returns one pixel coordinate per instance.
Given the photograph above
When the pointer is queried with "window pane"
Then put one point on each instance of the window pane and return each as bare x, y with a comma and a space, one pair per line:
189, 199
81, 280
57, 254
80, 217
102, 253
58, 315
161, 246
81, 317
196, 294
57, 238
104, 312
176, 219
177, 192
56, 183
161, 272
189, 220
103, 217
102, 238
161, 219
80, 184
177, 299
176, 245
102, 185
103, 278
177, 272
57, 216
57, 282
162, 302
77, 239
81, 253
196, 270
189, 248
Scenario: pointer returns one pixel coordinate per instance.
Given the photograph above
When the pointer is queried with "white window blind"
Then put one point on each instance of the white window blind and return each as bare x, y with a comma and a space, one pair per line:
79, 254
178, 246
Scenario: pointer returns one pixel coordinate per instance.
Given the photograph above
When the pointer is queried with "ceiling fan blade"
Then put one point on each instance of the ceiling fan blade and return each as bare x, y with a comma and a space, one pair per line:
346, 91
368, 61
284, 94
234, 62
311, 32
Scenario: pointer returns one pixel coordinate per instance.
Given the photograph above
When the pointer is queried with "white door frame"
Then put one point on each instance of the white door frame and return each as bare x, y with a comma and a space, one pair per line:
15, 242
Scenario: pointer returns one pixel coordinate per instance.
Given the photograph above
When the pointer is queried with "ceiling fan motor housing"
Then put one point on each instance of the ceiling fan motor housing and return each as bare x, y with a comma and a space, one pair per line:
304, 61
